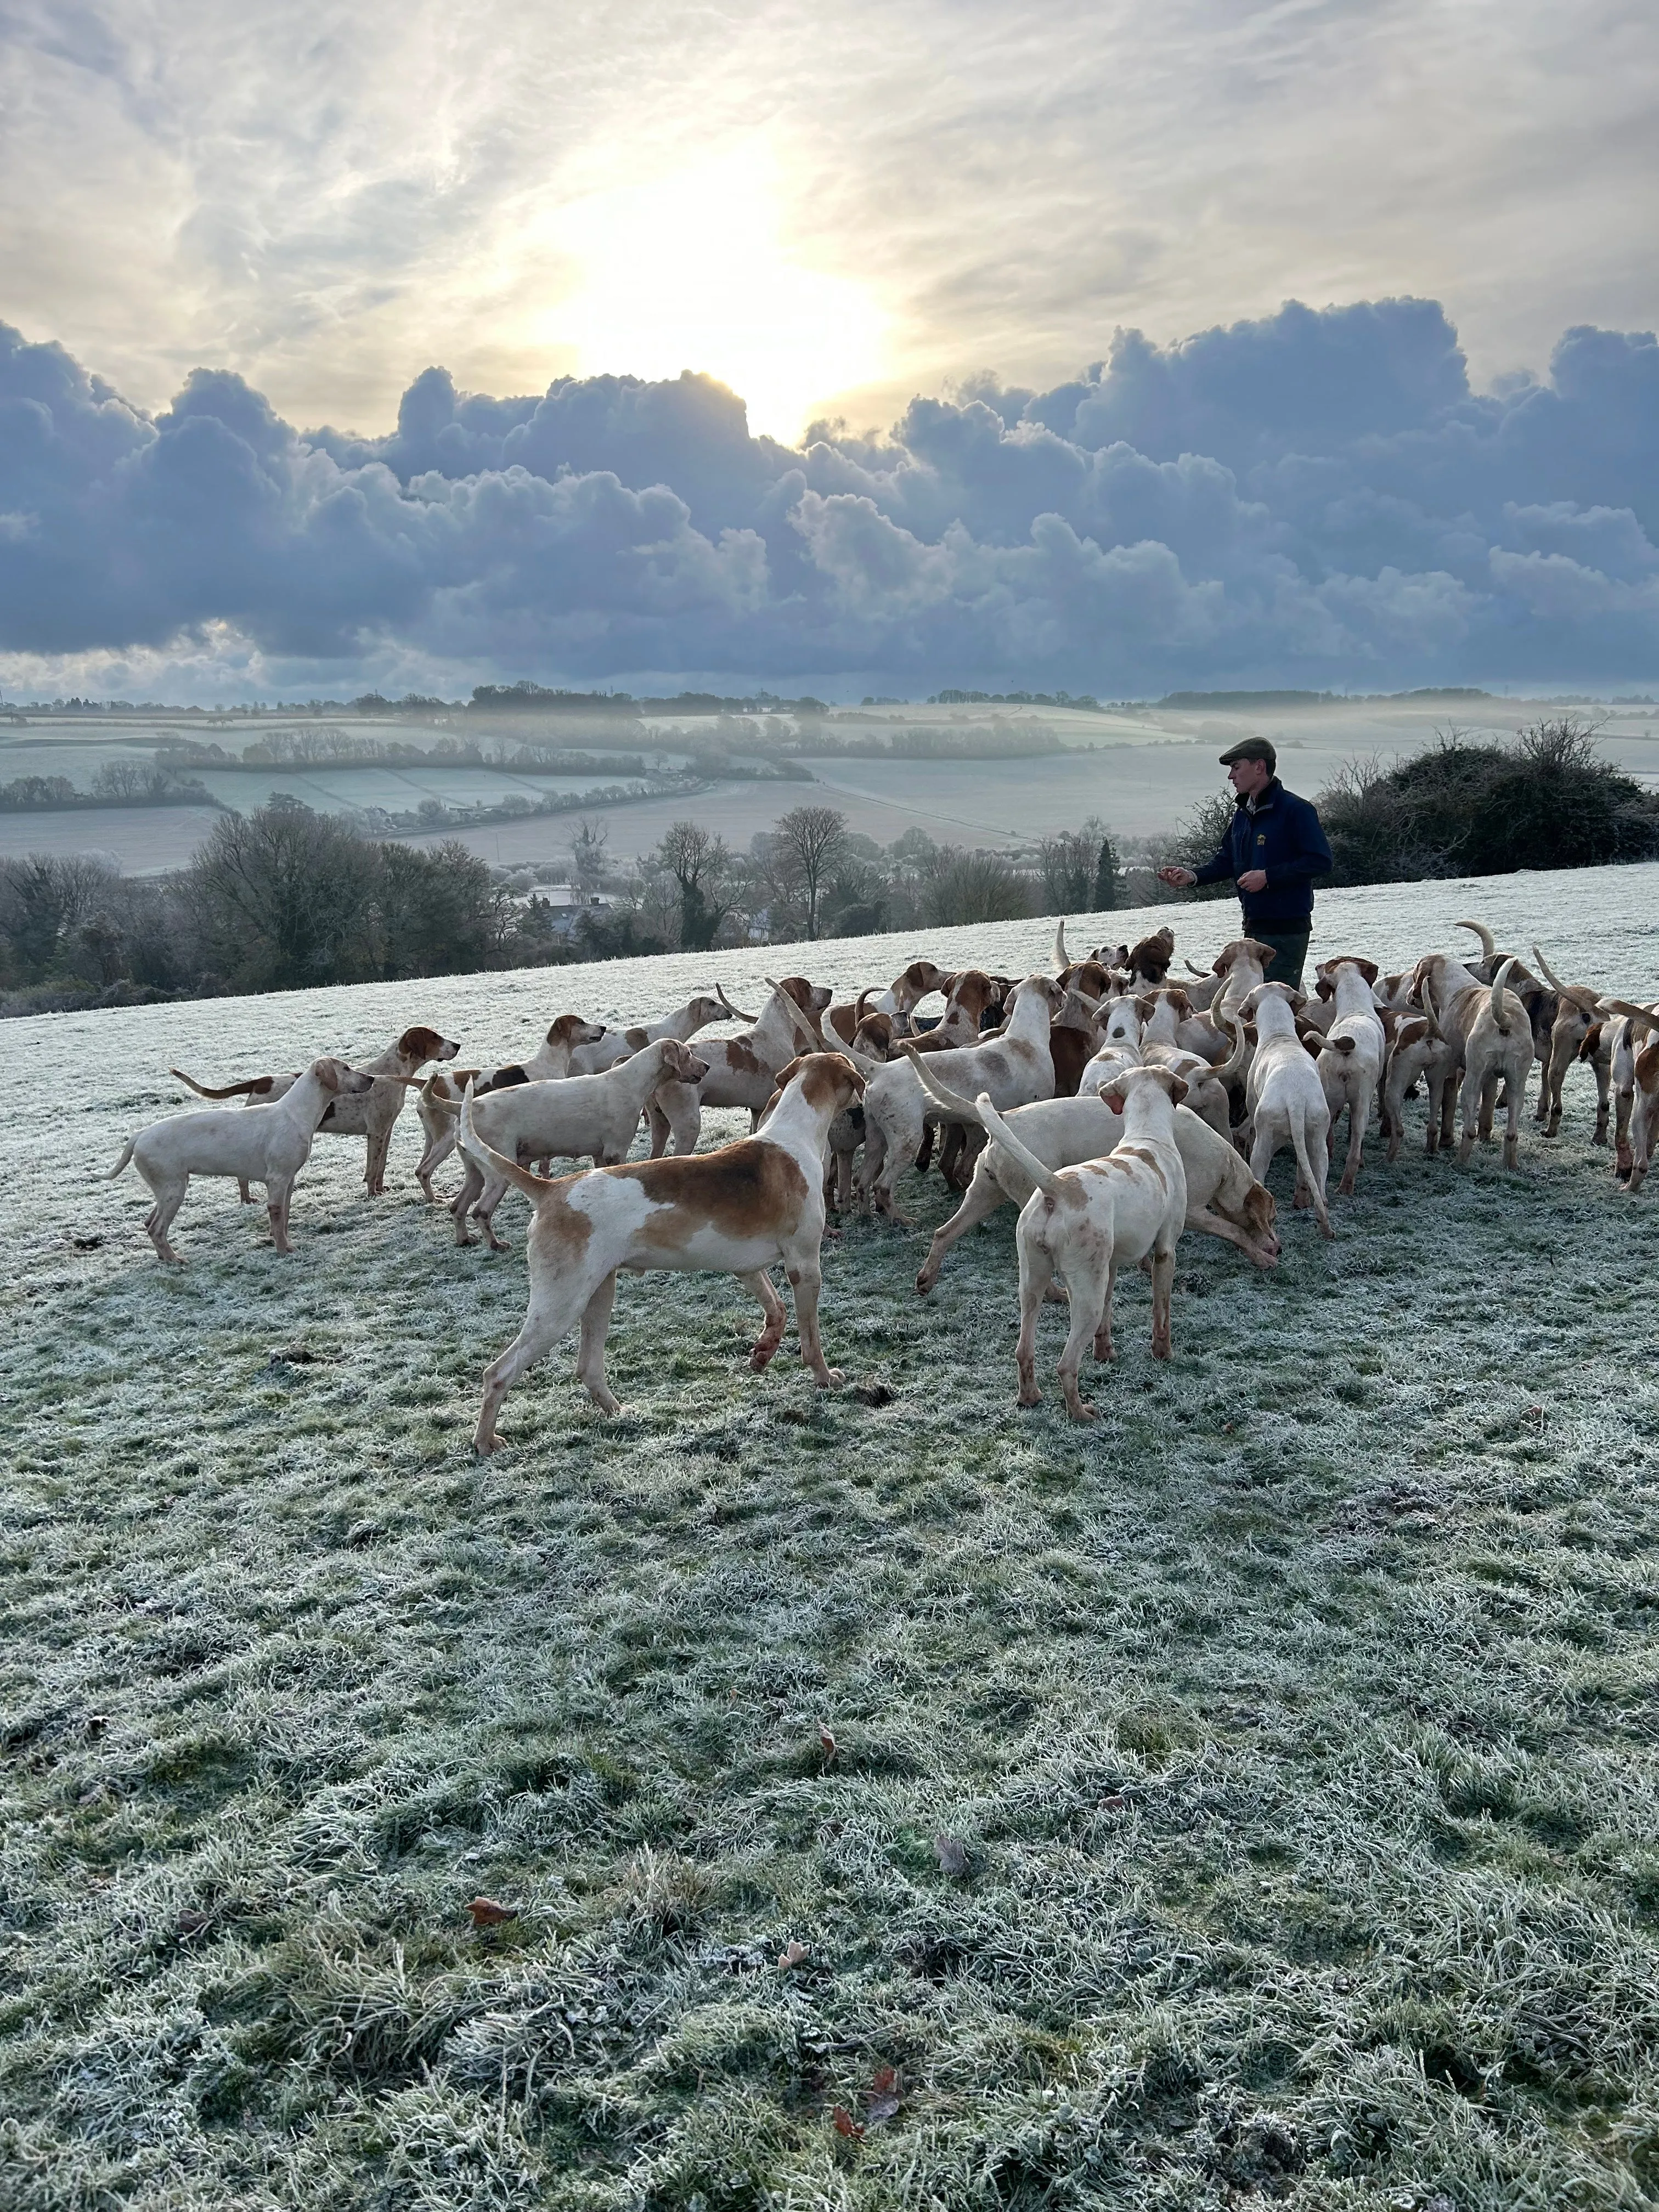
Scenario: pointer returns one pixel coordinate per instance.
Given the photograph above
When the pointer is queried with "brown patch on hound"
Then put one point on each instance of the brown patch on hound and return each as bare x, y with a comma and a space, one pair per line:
743, 1188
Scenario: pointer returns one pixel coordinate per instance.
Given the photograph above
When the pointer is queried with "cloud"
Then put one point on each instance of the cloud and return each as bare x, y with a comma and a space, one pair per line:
1316, 499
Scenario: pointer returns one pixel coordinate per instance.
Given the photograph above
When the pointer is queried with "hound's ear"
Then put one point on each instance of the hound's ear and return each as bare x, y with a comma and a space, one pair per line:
853, 1075
327, 1073
1177, 1089
786, 1074
1113, 1101
1368, 969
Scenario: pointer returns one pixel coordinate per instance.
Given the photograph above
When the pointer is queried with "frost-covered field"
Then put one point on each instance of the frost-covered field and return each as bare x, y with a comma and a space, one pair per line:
1296, 1724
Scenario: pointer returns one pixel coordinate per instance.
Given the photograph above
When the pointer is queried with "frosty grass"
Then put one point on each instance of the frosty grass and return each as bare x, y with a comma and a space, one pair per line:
1250, 1799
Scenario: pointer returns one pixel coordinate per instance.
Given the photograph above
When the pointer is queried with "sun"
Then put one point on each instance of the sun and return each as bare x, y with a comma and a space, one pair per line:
691, 270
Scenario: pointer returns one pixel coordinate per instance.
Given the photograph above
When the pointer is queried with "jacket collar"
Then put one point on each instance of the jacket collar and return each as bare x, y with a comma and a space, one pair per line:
1259, 802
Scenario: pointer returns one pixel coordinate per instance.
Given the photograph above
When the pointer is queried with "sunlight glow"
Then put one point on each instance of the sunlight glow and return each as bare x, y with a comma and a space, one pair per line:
691, 270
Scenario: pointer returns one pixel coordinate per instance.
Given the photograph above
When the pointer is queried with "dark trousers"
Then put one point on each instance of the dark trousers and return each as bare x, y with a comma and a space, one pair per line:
1291, 946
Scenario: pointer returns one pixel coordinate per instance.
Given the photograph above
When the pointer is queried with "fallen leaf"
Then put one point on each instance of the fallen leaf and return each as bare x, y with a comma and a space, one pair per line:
1114, 1804
792, 1953
96, 1723
951, 1854
883, 2101
486, 1913
831, 1749
191, 1923
873, 1394
846, 2124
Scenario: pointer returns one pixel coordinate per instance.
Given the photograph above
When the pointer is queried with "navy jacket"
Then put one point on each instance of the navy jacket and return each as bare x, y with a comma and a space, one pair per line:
1278, 832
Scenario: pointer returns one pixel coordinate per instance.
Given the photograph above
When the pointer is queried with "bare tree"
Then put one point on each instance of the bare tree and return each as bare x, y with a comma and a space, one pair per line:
959, 886
587, 846
812, 839
700, 862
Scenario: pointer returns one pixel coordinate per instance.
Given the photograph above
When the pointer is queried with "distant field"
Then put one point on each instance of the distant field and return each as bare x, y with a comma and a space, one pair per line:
1296, 1725
1158, 764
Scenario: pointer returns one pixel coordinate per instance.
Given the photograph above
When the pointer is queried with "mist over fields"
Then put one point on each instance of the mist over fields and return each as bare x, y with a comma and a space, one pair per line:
1315, 499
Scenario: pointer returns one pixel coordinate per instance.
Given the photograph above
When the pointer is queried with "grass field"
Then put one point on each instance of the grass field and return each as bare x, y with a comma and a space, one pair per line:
1252, 1800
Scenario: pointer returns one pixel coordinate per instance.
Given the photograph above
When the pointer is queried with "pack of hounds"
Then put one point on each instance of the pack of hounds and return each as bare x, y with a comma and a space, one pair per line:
1113, 1106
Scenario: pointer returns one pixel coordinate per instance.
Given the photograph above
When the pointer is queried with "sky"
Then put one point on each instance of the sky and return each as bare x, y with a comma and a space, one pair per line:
832, 215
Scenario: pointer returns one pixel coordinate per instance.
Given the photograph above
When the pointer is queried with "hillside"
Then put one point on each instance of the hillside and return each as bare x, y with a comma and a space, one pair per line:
1295, 1724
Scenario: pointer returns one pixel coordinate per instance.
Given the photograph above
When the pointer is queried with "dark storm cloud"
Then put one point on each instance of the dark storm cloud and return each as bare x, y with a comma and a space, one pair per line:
1310, 498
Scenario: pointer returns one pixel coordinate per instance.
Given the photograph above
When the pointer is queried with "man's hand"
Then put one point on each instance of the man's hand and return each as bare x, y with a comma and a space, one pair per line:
1178, 879
1254, 880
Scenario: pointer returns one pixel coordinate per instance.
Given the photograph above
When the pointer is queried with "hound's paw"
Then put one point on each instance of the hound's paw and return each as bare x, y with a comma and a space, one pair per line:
831, 1379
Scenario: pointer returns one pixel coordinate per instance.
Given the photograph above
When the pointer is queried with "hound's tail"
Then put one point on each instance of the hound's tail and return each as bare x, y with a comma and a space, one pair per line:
1500, 1012
1060, 960
999, 1133
230, 1090
1299, 1146
489, 1161
959, 1108
109, 1174
1488, 942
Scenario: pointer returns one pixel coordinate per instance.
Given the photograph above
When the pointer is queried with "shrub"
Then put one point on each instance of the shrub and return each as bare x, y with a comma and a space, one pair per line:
1468, 807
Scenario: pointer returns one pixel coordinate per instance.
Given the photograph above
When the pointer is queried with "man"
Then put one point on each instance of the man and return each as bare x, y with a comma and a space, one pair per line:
1273, 849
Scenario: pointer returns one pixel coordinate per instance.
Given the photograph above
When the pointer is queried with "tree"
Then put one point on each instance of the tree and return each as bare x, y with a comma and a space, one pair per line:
44, 900
810, 840
285, 896
587, 844
700, 863
1078, 869
439, 913
1108, 873
958, 886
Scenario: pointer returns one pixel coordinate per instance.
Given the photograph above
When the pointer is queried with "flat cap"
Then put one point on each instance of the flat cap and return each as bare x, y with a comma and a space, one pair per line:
1252, 749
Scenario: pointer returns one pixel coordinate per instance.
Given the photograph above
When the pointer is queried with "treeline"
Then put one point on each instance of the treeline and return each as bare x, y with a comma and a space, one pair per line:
811, 876
273, 901
283, 897
117, 783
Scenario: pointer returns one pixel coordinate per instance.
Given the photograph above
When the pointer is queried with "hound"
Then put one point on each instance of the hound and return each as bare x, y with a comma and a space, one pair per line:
739, 1210
265, 1144
371, 1115
440, 1101
1018, 1065
1235, 971
1577, 1013
1351, 1059
1416, 1051
1224, 1199
900, 999
1635, 1072
1083, 1223
1284, 1099
593, 1058
741, 1070
597, 1114
1494, 1040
